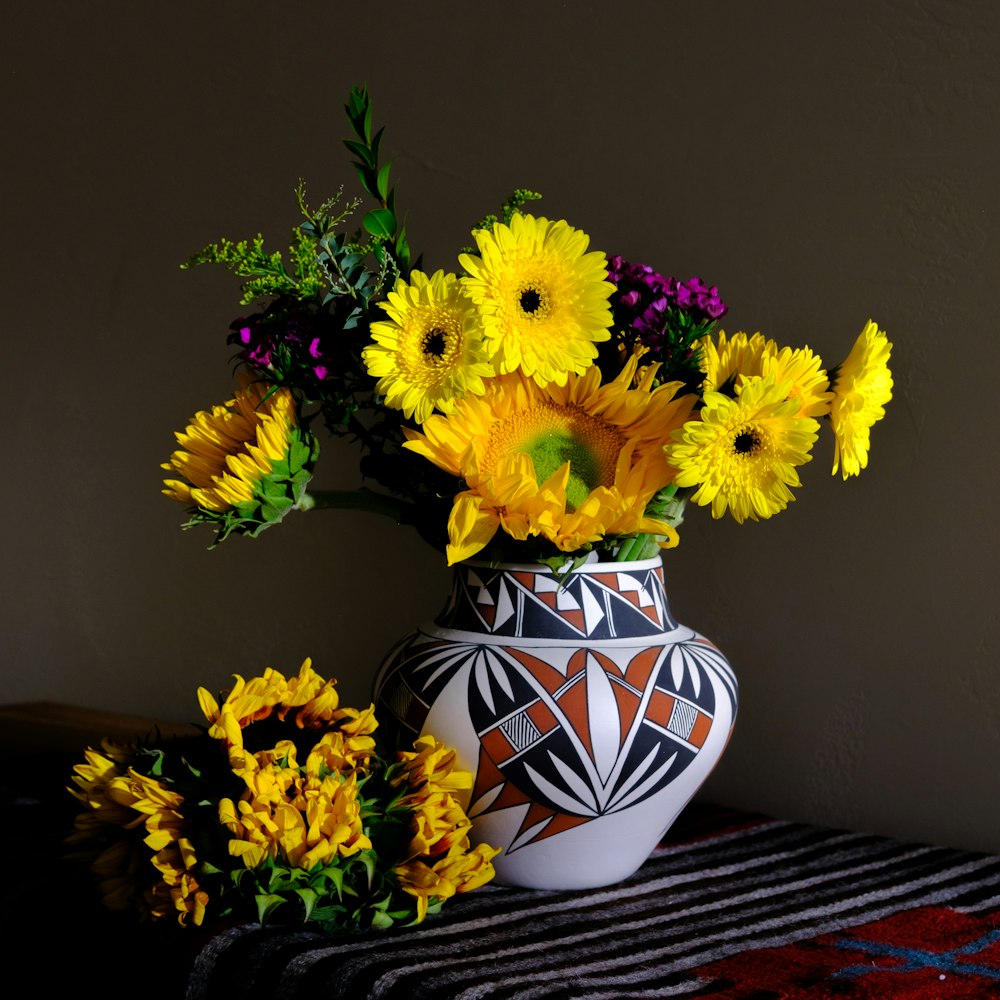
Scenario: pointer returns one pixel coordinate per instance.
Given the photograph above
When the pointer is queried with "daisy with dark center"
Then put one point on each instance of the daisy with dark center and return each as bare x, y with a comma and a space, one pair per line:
742, 453
571, 464
542, 297
429, 352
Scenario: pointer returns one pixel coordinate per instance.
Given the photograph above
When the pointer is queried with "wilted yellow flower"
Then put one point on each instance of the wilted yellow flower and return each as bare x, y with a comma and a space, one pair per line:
302, 821
439, 823
434, 765
459, 872
179, 893
341, 753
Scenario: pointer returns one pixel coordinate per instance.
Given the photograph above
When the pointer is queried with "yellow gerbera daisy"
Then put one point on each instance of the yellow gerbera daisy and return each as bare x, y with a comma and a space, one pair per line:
861, 388
724, 358
803, 369
741, 455
571, 463
430, 350
542, 298
246, 462
733, 359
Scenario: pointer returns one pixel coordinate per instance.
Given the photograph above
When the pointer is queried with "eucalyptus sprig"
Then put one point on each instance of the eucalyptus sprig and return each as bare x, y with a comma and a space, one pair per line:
381, 223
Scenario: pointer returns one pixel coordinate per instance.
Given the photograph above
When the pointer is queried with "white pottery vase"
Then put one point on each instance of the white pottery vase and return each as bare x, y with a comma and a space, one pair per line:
587, 714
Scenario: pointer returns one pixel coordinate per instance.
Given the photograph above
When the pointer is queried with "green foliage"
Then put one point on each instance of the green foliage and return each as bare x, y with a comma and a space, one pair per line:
373, 175
510, 208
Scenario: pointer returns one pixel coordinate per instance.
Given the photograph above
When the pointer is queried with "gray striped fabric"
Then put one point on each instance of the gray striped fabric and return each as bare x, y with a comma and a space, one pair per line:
731, 884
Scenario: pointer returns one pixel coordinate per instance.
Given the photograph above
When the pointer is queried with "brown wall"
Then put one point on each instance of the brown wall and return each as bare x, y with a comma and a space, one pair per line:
822, 162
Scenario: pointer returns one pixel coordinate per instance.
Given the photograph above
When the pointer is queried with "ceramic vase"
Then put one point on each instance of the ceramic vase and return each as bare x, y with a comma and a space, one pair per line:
588, 716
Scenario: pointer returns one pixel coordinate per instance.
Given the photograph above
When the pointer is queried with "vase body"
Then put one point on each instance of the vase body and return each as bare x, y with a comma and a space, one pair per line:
587, 714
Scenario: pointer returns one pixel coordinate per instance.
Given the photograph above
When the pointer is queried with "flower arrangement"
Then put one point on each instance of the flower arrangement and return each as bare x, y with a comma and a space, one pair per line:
543, 403
281, 810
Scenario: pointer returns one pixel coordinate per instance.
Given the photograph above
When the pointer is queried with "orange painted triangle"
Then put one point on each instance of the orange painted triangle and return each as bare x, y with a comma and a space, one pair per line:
488, 776
558, 822
641, 666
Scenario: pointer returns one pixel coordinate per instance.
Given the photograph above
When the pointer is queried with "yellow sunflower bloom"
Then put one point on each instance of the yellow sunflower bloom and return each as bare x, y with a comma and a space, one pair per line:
742, 453
571, 463
234, 457
302, 823
430, 351
542, 297
862, 387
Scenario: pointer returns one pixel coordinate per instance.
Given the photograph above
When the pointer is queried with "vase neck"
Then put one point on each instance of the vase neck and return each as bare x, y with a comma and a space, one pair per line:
596, 601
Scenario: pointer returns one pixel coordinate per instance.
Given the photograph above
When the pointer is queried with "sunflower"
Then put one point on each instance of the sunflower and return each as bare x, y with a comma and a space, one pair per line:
571, 463
246, 462
430, 351
861, 388
542, 298
741, 455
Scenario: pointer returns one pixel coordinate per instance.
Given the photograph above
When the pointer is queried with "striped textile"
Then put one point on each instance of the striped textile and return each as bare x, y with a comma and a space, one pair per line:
723, 885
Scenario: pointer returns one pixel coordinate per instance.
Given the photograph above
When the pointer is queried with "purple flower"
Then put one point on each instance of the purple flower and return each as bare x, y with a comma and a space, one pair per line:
643, 301
282, 342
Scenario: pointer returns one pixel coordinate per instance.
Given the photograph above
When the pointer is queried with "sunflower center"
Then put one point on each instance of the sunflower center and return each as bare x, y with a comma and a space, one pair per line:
533, 302
552, 434
434, 343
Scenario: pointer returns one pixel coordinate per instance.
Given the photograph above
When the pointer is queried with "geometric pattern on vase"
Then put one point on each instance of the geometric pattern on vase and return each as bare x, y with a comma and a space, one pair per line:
517, 673
587, 735
525, 602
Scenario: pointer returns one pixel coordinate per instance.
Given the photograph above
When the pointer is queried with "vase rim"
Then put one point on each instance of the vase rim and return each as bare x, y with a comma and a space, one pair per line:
587, 567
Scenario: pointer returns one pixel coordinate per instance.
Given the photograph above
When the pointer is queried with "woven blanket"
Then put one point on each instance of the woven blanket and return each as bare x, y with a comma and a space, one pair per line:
731, 907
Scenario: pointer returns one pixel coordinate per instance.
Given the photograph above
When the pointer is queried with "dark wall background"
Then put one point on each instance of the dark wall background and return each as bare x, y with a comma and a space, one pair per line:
821, 162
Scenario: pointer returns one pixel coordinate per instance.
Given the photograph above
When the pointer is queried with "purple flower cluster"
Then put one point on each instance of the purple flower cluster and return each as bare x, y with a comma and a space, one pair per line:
285, 343
643, 300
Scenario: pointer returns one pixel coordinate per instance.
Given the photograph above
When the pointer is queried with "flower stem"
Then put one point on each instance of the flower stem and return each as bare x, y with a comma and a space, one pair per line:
667, 505
360, 499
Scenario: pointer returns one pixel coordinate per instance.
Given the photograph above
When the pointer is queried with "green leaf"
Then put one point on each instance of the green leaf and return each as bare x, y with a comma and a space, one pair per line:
309, 899
382, 183
267, 904
362, 152
380, 222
